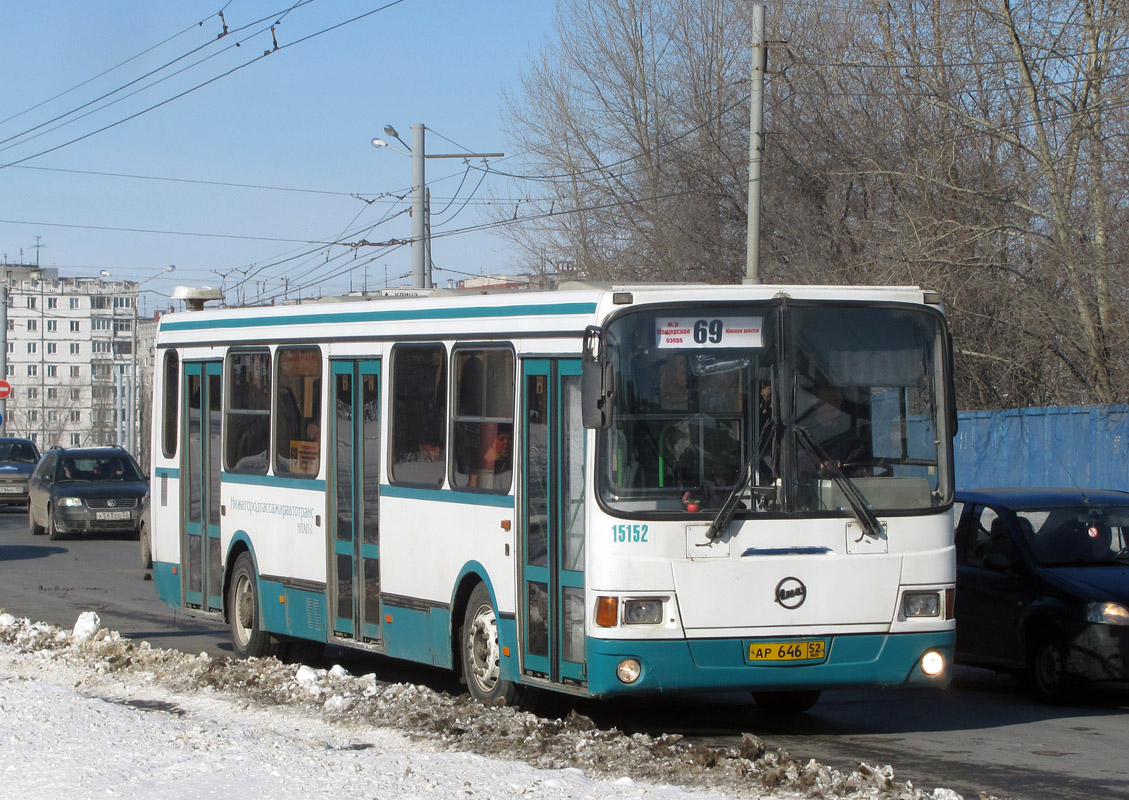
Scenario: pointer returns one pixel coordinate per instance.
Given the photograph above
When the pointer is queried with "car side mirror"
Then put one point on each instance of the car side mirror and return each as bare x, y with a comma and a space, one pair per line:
998, 562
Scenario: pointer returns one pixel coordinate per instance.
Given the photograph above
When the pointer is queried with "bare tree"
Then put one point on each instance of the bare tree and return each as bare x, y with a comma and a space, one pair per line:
973, 146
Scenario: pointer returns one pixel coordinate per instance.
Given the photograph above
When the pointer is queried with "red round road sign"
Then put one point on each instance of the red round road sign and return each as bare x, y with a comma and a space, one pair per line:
5, 389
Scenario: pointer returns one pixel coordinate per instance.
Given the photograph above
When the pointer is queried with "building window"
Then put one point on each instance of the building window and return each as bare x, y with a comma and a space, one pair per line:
11, 324
31, 301
123, 325
100, 348
75, 441
33, 415
76, 394
74, 348
33, 324
52, 415
52, 348
76, 416
11, 370
32, 393
76, 372
52, 302
74, 302
11, 347
74, 326
52, 370
32, 347
52, 393
52, 325
33, 370
101, 324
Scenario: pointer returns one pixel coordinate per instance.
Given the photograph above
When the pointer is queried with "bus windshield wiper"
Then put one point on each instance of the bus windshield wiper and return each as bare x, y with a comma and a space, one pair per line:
855, 498
729, 507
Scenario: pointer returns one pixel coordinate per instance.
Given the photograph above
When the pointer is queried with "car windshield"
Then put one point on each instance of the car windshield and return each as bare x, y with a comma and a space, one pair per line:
1082, 535
97, 468
17, 451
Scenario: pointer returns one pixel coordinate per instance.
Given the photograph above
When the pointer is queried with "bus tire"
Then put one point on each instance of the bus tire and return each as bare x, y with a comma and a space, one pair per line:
794, 702
244, 613
481, 654
146, 547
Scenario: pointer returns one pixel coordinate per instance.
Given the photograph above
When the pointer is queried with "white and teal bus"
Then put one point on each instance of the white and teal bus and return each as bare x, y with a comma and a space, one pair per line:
601, 490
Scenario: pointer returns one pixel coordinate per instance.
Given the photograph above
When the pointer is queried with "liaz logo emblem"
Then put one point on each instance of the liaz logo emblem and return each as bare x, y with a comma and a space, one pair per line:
791, 593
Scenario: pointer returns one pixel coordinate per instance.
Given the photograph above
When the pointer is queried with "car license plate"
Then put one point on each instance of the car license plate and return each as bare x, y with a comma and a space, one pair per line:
111, 515
795, 650
11, 489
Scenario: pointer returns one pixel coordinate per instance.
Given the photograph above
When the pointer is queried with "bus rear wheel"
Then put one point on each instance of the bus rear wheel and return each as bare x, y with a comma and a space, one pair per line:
248, 638
481, 654
796, 702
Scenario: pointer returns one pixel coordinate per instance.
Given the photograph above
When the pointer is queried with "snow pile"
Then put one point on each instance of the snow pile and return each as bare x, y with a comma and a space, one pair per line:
278, 730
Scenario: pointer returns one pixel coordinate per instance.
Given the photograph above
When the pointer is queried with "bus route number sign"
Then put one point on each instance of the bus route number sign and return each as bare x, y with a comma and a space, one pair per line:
707, 332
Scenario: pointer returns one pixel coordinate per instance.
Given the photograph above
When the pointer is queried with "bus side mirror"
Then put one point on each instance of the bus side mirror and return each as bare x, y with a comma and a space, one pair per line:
596, 380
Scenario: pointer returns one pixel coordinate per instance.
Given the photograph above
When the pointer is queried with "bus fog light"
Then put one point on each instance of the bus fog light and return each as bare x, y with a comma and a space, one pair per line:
932, 663
642, 612
921, 604
628, 670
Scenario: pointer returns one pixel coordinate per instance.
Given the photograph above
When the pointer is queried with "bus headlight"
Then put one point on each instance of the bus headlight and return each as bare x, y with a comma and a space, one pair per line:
642, 612
921, 604
932, 663
628, 670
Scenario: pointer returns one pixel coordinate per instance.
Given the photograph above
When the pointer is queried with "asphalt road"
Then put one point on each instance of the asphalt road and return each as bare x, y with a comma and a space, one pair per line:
983, 734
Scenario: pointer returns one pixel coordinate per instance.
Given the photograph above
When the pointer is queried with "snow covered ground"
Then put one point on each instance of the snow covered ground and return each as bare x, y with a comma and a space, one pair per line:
86, 713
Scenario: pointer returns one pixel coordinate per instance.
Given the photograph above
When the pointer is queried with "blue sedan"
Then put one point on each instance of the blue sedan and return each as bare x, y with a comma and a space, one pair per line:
1043, 585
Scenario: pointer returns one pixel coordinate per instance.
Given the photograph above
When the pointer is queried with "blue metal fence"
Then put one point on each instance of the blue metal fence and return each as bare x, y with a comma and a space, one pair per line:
1078, 446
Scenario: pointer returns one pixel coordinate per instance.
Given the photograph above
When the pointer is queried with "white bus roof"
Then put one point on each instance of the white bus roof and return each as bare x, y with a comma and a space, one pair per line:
469, 313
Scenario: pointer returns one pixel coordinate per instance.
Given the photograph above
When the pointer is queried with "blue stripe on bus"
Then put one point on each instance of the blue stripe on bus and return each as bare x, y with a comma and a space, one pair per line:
313, 484
390, 315
447, 496
166, 581
167, 472
857, 660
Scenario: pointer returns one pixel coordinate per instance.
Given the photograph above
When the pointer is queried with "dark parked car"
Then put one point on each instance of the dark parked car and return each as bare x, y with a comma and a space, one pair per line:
17, 459
84, 490
1043, 585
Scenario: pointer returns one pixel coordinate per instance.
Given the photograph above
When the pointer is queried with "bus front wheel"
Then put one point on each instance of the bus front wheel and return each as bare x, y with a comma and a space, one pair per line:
481, 654
248, 638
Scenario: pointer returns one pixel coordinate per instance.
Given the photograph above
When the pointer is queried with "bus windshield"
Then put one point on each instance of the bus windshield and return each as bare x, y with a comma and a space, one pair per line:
802, 408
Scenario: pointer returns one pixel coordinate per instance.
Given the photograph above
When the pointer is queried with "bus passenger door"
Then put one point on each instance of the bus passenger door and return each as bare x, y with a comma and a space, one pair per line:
200, 548
355, 532
552, 490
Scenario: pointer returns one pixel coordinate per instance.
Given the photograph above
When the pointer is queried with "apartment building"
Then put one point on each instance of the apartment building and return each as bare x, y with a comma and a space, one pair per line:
72, 360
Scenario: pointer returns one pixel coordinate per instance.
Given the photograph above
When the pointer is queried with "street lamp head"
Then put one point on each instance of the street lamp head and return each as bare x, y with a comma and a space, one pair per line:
388, 129
105, 273
379, 143
170, 268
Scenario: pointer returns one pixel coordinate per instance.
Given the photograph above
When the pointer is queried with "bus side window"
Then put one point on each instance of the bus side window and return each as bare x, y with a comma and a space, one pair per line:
419, 414
483, 419
247, 423
297, 423
171, 387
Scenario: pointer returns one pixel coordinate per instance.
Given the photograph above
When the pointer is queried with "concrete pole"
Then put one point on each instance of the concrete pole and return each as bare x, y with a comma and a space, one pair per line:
756, 147
419, 223
4, 352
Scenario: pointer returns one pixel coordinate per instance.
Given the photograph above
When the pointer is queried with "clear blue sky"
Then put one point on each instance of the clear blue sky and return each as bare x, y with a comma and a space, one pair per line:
300, 118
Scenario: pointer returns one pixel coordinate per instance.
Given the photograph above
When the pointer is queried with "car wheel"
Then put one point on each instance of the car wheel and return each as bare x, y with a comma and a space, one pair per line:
146, 547
481, 655
53, 531
786, 702
248, 638
1047, 674
35, 528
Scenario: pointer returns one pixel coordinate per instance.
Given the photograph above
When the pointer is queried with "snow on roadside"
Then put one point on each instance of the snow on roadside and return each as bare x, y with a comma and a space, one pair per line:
87, 713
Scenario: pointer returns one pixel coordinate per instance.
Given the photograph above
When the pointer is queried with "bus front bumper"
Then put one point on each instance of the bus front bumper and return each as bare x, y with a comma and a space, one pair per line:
852, 661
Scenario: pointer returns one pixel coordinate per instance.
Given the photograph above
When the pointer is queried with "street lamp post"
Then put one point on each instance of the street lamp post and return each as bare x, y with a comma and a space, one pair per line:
421, 224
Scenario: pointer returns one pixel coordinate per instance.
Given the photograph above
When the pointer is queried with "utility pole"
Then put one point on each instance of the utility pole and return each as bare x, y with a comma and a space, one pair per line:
756, 146
421, 215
